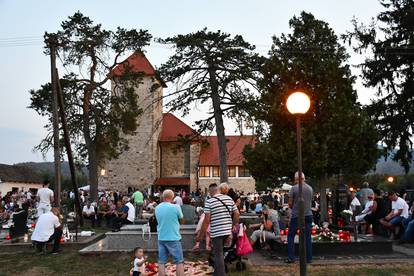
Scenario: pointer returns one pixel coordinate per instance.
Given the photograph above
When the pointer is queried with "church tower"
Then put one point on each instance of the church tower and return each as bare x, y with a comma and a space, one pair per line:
138, 166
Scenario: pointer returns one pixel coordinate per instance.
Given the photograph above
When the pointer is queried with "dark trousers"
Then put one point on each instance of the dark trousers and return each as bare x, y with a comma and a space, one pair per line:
56, 236
293, 227
218, 244
91, 218
108, 219
117, 222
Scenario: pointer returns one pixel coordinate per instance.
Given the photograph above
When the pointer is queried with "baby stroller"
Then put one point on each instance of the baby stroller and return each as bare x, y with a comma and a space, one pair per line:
230, 256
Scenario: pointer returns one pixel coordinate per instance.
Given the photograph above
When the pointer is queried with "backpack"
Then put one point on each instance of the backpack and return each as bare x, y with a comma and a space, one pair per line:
153, 224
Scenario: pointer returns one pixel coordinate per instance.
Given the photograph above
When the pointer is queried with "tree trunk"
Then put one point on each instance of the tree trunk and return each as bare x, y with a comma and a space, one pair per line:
90, 143
323, 201
221, 137
93, 173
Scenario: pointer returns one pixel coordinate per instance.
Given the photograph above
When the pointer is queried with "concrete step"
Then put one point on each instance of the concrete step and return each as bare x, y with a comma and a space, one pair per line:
138, 227
127, 240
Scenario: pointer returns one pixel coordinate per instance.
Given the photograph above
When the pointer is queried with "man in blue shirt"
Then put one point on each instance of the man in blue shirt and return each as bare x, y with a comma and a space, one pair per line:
169, 217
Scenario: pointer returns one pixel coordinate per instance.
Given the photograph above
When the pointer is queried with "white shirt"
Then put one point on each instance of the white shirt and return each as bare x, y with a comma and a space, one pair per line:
400, 204
131, 212
29, 195
367, 206
139, 268
178, 200
44, 195
45, 227
89, 210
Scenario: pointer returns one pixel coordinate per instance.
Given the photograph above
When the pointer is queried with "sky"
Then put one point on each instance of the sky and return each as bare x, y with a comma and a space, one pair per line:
24, 66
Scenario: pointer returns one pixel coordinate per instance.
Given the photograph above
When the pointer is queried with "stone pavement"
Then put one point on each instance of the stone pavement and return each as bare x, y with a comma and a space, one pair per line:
402, 254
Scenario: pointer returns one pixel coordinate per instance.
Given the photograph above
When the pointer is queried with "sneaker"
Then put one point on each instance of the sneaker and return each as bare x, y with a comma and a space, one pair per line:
289, 261
55, 252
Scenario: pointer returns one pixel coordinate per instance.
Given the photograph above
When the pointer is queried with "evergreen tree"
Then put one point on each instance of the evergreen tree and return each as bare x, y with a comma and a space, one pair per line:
389, 67
98, 118
216, 68
338, 137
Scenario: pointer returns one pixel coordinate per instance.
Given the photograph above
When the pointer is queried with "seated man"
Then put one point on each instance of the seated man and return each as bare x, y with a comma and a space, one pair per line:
399, 212
126, 216
104, 211
88, 212
269, 228
48, 228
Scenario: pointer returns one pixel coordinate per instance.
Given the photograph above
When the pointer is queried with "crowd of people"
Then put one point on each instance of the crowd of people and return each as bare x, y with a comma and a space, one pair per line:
215, 213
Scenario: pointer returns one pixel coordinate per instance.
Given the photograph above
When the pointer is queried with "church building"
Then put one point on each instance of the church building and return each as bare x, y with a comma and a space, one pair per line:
165, 152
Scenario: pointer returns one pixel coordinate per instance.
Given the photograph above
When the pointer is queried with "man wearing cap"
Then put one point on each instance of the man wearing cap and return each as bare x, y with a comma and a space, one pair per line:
307, 194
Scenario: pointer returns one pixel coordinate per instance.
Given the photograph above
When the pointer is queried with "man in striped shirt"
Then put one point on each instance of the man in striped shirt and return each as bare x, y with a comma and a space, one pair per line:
221, 213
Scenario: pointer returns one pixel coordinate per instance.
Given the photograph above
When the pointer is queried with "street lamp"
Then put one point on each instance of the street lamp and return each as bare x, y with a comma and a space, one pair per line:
298, 103
390, 179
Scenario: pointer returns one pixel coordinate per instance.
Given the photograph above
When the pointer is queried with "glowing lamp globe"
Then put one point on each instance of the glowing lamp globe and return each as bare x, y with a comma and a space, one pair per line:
390, 179
298, 103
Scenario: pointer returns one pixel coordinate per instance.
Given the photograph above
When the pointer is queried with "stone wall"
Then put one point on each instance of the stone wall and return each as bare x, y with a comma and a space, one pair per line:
138, 166
246, 184
172, 160
195, 149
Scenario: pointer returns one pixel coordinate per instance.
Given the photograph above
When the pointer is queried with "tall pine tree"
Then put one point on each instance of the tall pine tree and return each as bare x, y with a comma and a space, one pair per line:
389, 68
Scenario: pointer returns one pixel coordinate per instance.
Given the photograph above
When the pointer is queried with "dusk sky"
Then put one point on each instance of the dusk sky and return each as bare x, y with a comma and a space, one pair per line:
24, 65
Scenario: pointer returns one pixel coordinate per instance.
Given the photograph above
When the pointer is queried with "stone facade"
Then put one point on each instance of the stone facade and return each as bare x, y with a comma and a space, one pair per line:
173, 159
137, 167
246, 184
154, 156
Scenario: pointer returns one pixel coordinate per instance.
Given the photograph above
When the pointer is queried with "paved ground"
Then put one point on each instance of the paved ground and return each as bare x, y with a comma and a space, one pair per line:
402, 253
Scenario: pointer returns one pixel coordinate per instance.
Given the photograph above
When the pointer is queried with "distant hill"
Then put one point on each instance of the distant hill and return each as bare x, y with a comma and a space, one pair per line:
391, 167
49, 167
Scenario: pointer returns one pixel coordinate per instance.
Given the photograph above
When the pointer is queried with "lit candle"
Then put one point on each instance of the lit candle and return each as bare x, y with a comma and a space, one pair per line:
26, 237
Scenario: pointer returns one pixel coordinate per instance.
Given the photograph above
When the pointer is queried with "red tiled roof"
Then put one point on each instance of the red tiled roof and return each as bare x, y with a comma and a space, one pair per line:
137, 62
172, 127
172, 181
209, 155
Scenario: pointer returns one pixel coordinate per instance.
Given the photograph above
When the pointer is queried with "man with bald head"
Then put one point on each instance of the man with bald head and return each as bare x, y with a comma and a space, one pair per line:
307, 194
169, 217
48, 228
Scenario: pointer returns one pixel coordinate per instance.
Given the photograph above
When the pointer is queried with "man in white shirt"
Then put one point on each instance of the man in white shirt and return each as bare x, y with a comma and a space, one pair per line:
48, 228
45, 199
399, 212
126, 217
88, 212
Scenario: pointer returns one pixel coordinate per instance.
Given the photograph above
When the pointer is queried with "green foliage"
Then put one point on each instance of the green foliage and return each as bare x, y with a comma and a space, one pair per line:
337, 135
97, 118
389, 67
215, 68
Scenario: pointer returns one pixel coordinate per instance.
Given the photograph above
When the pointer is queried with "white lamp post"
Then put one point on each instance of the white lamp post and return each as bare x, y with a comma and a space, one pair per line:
298, 103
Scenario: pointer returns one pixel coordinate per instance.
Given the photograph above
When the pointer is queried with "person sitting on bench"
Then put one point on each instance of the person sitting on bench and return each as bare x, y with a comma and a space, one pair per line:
88, 212
127, 216
399, 212
48, 228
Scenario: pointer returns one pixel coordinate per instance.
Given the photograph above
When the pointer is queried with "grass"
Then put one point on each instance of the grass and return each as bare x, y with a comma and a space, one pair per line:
71, 263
